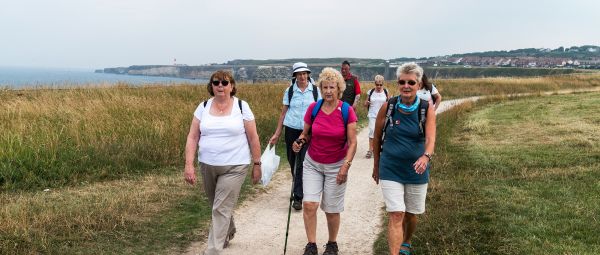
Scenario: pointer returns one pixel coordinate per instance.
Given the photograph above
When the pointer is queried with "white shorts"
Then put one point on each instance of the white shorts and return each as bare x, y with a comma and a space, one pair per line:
320, 179
404, 197
372, 127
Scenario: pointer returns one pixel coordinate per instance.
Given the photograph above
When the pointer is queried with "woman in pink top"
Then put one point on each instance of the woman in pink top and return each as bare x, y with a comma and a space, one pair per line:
332, 138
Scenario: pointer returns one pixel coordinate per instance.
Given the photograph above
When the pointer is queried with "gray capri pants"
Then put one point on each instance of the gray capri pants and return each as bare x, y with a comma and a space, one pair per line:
320, 178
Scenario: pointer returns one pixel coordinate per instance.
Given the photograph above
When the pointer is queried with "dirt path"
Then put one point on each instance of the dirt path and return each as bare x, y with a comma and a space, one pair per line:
261, 221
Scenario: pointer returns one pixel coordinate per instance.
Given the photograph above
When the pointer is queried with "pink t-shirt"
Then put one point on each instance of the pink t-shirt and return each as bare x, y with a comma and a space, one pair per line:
328, 142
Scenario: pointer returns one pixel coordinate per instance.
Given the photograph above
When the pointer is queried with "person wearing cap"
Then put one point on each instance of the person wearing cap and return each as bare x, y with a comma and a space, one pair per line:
352, 92
295, 102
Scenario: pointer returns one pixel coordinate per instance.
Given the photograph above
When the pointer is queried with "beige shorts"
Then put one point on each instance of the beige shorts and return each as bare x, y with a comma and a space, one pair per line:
320, 179
404, 197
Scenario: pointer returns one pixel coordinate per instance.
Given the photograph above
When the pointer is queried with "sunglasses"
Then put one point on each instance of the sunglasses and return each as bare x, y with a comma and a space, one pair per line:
377, 84
216, 83
410, 82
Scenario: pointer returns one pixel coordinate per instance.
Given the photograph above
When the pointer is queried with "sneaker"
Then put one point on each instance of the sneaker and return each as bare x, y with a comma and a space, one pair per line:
311, 249
369, 154
297, 205
331, 248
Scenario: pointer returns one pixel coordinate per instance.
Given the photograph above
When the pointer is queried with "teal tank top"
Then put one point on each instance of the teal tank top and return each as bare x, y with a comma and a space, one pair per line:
402, 147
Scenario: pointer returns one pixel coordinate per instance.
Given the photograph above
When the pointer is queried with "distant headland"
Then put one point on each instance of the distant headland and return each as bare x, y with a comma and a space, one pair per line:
521, 62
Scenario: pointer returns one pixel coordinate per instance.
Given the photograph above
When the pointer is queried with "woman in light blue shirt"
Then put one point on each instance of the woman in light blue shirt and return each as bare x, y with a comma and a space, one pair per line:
296, 100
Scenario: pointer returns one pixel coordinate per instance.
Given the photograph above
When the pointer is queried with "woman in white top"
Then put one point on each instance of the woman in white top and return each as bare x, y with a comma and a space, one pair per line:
375, 99
429, 92
224, 129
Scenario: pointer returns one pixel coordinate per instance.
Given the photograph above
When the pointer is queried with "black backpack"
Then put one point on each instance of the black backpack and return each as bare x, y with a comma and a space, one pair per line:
422, 116
291, 90
371, 93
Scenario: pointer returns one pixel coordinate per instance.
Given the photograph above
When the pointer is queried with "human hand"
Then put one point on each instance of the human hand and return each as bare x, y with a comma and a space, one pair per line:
190, 175
421, 164
274, 139
297, 145
375, 175
256, 174
342, 175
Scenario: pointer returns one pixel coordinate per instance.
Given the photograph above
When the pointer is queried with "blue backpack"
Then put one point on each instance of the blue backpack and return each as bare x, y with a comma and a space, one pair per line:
345, 113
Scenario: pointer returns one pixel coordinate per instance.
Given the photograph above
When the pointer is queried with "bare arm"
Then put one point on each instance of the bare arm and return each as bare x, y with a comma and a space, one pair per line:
191, 146
377, 136
342, 176
421, 164
304, 138
277, 134
438, 99
254, 142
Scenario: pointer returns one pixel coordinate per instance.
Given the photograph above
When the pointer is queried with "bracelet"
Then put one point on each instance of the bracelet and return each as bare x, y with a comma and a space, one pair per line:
349, 163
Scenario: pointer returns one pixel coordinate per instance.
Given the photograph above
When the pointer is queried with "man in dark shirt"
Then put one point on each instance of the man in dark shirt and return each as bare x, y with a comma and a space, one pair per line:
352, 92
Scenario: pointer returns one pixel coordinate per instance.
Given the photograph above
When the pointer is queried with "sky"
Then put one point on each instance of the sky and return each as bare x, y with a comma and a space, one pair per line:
94, 34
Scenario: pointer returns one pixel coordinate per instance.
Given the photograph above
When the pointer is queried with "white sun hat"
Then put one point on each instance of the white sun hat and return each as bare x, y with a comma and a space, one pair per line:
299, 67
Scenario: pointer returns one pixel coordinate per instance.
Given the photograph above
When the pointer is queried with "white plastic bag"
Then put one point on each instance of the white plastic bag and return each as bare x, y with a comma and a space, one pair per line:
270, 163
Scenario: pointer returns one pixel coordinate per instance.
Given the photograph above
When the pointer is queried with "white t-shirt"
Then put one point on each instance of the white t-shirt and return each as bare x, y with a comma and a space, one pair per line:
424, 93
223, 140
377, 100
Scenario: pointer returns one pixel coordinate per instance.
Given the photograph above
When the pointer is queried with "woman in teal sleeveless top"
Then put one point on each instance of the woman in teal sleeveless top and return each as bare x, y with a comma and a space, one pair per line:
402, 155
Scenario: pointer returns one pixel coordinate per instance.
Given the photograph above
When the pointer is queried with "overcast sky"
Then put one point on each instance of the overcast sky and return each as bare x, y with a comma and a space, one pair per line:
109, 33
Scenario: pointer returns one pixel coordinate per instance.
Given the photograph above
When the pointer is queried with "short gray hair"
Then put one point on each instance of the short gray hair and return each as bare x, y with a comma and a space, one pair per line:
410, 68
379, 77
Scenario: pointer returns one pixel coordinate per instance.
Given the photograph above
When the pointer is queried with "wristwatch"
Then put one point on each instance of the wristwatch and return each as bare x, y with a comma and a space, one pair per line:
427, 155
257, 163
349, 163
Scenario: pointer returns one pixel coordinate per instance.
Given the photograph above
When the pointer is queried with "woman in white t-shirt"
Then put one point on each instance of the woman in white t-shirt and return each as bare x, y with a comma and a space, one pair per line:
224, 129
429, 92
375, 99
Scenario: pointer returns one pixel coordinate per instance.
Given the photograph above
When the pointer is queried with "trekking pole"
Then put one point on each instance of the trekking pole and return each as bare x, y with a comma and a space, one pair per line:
287, 228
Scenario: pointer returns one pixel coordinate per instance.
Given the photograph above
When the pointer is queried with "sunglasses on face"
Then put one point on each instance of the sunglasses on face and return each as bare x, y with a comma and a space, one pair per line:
378, 85
410, 82
216, 83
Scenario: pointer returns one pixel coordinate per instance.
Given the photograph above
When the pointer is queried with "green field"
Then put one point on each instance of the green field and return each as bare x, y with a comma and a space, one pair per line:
515, 177
112, 160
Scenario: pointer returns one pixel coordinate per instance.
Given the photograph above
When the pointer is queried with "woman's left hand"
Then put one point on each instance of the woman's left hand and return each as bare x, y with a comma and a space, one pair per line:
342, 175
421, 164
256, 174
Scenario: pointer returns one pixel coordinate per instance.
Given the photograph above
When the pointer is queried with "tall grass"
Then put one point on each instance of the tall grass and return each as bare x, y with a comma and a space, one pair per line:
457, 88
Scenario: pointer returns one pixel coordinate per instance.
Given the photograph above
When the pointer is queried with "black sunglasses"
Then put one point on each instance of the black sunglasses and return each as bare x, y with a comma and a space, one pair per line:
216, 83
410, 82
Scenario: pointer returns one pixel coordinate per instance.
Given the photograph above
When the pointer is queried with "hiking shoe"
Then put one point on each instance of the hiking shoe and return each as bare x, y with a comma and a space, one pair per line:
331, 248
297, 205
369, 154
311, 249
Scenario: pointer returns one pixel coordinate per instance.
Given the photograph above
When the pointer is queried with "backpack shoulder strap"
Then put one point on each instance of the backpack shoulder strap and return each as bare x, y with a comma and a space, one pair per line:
316, 110
386, 92
204, 103
389, 114
315, 92
422, 115
240, 105
345, 113
291, 92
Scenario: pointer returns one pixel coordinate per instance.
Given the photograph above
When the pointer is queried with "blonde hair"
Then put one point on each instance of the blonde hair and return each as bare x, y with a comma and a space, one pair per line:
379, 77
330, 74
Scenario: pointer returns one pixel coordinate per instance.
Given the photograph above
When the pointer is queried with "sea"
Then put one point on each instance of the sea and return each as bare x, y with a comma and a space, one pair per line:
35, 77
